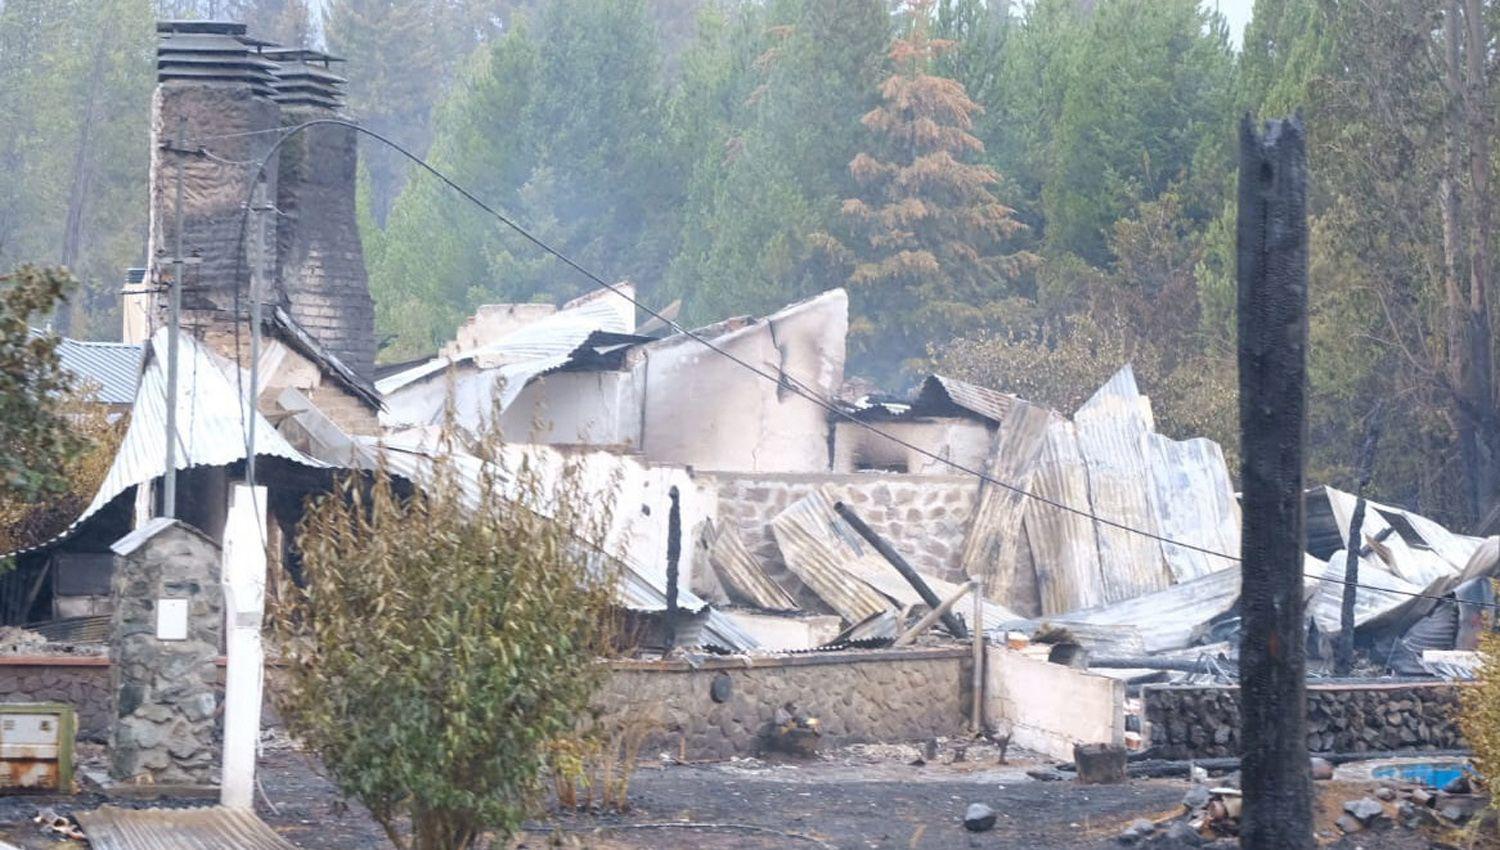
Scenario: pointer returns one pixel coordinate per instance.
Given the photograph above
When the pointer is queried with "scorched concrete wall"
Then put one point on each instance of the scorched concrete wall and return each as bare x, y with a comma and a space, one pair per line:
1050, 707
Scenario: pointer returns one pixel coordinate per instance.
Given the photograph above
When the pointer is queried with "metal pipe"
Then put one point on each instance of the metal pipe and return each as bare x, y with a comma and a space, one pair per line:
674, 552
257, 275
954, 625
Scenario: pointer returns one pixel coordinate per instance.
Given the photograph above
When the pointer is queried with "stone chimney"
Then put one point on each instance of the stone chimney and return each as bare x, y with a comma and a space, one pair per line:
231, 96
319, 260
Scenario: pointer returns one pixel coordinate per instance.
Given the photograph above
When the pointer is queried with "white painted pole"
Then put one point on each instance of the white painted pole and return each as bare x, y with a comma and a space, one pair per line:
244, 606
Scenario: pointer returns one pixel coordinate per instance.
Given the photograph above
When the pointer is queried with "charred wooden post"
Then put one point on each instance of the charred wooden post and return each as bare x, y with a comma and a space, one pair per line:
1272, 270
951, 622
1343, 658
674, 553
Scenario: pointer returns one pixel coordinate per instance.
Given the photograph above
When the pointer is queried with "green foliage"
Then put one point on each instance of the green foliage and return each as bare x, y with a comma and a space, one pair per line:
443, 642
75, 89
1480, 718
1149, 82
36, 435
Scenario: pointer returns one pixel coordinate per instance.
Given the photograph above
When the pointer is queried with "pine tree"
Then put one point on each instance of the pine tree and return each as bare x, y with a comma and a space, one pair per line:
933, 259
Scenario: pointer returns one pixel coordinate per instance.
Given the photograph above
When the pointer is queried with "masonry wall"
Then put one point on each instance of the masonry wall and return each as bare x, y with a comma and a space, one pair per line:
924, 516
1050, 707
1204, 721
82, 682
884, 695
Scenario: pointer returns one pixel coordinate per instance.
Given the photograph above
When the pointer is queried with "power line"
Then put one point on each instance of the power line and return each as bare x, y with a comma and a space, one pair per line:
781, 380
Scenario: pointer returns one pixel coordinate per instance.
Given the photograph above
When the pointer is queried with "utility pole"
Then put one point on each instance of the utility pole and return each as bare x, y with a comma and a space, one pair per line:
259, 206
1343, 659
174, 330
1271, 260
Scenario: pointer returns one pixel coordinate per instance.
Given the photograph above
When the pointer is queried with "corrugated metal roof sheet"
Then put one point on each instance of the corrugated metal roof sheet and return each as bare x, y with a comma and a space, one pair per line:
990, 404
1064, 547
509, 362
114, 368
994, 545
1168, 619
1193, 501
213, 828
210, 429
1112, 427
643, 586
818, 546
742, 573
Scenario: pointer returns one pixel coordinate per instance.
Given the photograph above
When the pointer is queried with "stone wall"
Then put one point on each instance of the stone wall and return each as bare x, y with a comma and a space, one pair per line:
166, 693
1191, 721
925, 517
80, 682
882, 695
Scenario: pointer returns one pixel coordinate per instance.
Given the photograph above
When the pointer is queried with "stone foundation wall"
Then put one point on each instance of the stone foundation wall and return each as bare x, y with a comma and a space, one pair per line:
882, 695
80, 682
924, 516
1204, 721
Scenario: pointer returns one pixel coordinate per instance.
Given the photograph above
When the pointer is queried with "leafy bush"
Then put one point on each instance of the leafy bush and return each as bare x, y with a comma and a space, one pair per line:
33, 429
1481, 715
442, 642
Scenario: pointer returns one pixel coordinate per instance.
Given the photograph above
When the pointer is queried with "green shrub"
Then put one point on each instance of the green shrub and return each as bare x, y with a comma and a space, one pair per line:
441, 643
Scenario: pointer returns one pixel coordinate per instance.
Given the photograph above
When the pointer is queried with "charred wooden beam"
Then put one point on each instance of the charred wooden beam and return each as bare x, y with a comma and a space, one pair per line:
1272, 271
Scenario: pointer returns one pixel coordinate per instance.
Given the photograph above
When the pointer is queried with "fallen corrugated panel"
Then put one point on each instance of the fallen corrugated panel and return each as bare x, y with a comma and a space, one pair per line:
743, 575
1379, 592
214, 828
643, 582
1193, 500
1112, 427
1170, 618
1064, 547
994, 545
817, 546
1416, 550
210, 428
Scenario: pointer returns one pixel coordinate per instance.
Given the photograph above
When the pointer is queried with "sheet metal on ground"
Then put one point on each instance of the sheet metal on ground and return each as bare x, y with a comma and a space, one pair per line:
214, 828
1169, 618
994, 546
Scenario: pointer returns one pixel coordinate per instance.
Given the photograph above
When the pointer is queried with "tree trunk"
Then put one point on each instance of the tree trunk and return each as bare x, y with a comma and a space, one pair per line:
1271, 259
81, 184
1479, 388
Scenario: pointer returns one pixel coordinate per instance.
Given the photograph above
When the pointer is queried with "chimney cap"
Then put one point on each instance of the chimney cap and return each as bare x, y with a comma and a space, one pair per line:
301, 54
202, 27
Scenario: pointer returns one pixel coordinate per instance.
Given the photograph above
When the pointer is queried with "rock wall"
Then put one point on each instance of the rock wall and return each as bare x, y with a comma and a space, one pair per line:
81, 683
885, 695
1204, 721
924, 517
166, 693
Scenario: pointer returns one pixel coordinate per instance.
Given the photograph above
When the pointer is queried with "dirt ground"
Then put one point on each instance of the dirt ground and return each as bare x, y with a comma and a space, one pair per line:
854, 799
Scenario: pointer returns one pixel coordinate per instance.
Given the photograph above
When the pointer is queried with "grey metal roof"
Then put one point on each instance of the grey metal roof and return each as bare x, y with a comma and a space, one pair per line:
112, 368
210, 425
939, 391
213, 828
820, 548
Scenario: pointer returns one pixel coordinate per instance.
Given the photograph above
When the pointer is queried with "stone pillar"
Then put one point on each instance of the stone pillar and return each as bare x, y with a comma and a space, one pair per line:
167, 630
